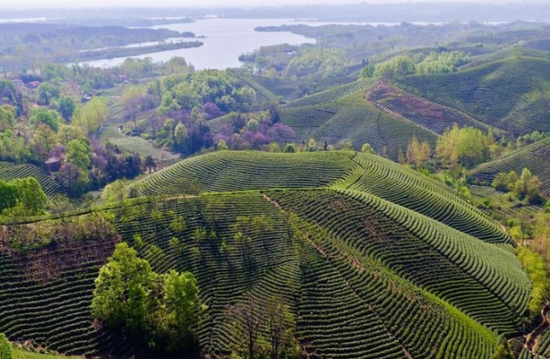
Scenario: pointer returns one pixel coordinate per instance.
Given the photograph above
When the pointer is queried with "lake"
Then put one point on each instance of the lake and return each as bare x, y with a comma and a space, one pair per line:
225, 40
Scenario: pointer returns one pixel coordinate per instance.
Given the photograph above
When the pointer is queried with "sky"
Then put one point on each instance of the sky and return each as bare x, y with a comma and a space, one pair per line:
200, 3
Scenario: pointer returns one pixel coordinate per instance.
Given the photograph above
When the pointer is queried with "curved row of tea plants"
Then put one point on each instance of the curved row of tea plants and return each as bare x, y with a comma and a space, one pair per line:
10, 171
535, 157
424, 195
239, 171
404, 241
335, 93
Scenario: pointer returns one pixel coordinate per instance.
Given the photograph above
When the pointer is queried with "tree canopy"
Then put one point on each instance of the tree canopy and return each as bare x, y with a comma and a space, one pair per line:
162, 309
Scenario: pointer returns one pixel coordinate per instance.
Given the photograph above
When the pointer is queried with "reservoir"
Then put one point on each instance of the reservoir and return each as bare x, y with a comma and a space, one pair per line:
224, 41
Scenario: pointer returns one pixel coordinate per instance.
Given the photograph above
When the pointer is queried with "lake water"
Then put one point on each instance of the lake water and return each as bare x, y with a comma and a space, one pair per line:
225, 40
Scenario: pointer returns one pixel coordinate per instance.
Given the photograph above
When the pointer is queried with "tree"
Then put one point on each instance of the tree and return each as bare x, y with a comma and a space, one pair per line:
161, 309
181, 299
418, 152
280, 329
367, 148
73, 179
78, 153
46, 92
22, 197
7, 117
180, 137
67, 133
90, 117
246, 324
467, 146
527, 187
66, 108
122, 290
222, 146
44, 140
264, 328
505, 181
31, 195
5, 347
44, 116
504, 350
8, 195
115, 191
289, 148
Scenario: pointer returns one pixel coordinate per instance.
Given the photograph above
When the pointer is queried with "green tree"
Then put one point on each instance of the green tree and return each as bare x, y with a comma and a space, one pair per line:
122, 291
222, 146
289, 148
367, 148
280, 330
31, 195
8, 195
115, 191
47, 117
5, 347
396, 67
504, 350
180, 137
534, 266
67, 133
46, 92
181, 300
44, 140
7, 117
163, 310
505, 181
90, 117
78, 153
66, 107
527, 187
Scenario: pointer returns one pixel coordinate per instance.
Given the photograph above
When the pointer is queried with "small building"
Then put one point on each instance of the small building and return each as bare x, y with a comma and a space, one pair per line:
53, 164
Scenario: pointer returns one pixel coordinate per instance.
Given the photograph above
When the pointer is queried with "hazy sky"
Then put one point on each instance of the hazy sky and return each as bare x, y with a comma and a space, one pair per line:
201, 3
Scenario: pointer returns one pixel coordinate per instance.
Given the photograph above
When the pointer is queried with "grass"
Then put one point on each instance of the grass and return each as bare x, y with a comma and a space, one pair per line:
22, 354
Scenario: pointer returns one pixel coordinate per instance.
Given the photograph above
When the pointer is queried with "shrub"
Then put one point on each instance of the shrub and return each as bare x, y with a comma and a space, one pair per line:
5, 348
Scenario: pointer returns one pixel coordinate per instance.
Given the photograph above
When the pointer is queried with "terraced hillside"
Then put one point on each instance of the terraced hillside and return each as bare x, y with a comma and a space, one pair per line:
536, 157
510, 94
237, 171
343, 114
341, 251
429, 115
9, 171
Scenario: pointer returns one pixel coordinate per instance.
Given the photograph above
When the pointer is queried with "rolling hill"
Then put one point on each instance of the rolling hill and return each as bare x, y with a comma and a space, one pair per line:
347, 251
510, 94
343, 114
535, 157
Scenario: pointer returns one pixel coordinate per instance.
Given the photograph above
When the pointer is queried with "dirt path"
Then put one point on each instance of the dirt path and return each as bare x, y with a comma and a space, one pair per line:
532, 339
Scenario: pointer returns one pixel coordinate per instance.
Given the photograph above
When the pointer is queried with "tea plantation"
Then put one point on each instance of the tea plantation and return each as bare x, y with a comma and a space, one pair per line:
535, 157
372, 260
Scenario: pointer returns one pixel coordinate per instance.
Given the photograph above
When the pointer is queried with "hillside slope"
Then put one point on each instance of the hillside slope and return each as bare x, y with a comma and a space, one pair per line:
346, 255
535, 157
10, 171
510, 94
343, 114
